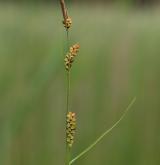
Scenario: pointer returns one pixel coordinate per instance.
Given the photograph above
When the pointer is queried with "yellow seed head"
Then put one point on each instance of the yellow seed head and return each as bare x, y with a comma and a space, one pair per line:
69, 59
70, 128
67, 22
74, 49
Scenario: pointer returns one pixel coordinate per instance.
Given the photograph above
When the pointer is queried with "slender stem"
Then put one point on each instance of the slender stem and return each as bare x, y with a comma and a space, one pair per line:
68, 91
103, 135
67, 110
65, 16
68, 151
67, 155
68, 76
67, 31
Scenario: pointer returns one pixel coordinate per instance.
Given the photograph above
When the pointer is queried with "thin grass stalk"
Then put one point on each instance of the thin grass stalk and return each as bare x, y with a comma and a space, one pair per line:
65, 16
67, 110
68, 152
67, 31
68, 155
68, 75
68, 91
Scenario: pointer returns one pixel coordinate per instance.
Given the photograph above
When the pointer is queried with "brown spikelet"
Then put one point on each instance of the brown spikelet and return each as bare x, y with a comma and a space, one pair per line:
74, 49
69, 59
67, 22
70, 128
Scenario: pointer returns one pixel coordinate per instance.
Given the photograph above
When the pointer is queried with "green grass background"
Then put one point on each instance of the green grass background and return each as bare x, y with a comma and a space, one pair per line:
119, 59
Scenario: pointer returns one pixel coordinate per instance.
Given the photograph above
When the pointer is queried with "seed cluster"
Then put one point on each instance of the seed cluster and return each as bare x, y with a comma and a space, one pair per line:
69, 59
71, 127
67, 22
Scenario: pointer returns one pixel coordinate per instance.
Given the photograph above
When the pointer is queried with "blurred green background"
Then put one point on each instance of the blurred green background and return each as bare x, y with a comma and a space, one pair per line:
119, 59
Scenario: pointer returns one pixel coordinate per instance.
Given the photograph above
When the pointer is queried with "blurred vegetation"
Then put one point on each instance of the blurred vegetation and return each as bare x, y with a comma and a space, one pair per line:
130, 2
119, 59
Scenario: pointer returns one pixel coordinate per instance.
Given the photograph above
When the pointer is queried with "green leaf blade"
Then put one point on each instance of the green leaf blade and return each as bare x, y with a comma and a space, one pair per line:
103, 134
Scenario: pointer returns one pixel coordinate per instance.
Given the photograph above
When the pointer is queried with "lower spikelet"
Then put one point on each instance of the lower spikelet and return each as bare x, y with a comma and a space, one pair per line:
70, 128
67, 23
69, 59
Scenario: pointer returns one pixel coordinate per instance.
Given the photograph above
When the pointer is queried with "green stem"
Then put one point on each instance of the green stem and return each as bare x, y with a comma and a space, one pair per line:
67, 39
67, 155
68, 90
103, 135
68, 152
68, 76
67, 110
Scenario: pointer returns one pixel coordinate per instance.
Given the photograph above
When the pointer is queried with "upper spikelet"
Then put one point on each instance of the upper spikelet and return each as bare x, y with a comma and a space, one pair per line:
74, 49
69, 59
70, 128
67, 22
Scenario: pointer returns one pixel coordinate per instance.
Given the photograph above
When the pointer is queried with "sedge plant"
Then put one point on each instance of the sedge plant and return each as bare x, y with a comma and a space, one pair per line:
72, 52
